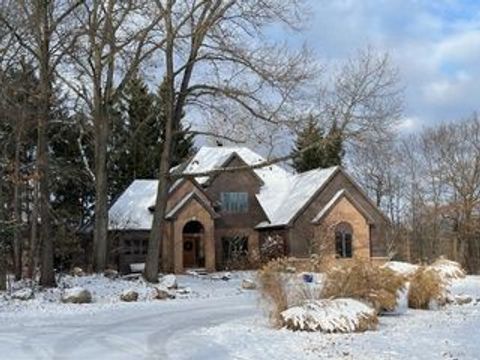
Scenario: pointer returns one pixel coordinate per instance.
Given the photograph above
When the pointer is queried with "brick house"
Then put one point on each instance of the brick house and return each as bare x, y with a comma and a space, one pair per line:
209, 218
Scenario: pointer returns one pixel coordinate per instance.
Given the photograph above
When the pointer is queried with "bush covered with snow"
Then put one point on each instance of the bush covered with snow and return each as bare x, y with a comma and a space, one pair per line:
427, 289
337, 315
363, 280
400, 267
448, 269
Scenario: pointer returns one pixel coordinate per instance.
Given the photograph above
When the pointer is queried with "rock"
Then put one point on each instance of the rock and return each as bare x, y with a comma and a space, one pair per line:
78, 271
162, 293
169, 281
184, 291
463, 299
248, 284
77, 295
129, 296
23, 294
110, 274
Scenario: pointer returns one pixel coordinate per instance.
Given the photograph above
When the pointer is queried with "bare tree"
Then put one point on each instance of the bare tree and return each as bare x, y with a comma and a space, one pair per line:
214, 62
365, 99
41, 28
115, 40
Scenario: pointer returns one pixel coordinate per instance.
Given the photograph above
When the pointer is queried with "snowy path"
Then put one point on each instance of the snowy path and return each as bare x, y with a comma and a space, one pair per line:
143, 331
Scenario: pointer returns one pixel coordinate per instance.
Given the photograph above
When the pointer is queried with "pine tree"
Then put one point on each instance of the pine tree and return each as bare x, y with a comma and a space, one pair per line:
324, 151
137, 136
333, 149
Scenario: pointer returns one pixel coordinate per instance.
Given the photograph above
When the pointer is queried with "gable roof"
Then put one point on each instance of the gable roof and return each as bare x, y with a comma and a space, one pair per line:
334, 200
282, 202
210, 158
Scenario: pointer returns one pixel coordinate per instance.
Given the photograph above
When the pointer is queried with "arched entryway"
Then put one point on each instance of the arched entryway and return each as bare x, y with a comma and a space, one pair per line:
193, 245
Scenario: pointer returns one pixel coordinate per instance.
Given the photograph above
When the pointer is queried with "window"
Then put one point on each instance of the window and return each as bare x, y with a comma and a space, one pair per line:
234, 202
234, 247
343, 241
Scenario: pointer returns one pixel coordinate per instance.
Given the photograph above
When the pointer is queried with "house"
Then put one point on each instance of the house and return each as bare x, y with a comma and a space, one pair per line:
210, 219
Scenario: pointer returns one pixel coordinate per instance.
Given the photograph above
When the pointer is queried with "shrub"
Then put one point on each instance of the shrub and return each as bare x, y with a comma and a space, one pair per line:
426, 287
272, 288
338, 315
362, 280
448, 269
272, 248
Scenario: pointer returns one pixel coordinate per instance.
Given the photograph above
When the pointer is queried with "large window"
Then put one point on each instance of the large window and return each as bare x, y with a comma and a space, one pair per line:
343, 241
234, 202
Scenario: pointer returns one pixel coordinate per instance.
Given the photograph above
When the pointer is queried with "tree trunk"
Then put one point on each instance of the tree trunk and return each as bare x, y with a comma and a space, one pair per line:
101, 198
17, 240
156, 233
33, 232
3, 269
47, 275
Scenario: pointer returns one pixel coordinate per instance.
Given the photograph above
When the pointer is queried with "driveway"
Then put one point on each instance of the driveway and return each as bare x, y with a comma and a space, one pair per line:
132, 331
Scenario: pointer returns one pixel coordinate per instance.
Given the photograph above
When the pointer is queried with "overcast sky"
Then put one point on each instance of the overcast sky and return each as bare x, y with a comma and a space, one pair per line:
435, 44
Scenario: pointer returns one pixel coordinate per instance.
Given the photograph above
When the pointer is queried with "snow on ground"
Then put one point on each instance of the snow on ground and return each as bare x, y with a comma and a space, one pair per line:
106, 293
448, 333
217, 320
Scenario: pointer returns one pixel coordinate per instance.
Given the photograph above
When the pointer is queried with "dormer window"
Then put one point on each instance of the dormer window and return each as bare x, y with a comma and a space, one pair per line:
234, 202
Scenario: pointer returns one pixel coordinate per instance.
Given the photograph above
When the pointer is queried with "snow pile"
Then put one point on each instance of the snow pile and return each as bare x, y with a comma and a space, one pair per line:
403, 268
448, 269
338, 315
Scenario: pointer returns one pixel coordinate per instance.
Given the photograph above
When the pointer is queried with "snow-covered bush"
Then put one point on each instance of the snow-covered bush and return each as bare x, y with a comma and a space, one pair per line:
447, 269
402, 268
337, 315
272, 248
363, 280
427, 289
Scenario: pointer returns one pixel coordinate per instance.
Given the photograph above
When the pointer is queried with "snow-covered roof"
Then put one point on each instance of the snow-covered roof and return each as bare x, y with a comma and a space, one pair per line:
282, 200
282, 195
210, 158
131, 210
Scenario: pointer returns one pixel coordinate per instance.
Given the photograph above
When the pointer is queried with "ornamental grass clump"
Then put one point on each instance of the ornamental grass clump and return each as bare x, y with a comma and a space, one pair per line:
427, 289
272, 287
364, 281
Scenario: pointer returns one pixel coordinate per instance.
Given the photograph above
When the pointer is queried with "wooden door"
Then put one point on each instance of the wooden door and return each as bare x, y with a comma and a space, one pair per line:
189, 251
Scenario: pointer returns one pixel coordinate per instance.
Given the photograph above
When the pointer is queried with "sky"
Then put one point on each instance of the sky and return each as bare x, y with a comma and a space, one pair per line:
434, 43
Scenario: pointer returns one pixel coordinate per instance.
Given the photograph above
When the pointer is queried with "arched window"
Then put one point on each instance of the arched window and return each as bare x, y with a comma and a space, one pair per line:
343, 240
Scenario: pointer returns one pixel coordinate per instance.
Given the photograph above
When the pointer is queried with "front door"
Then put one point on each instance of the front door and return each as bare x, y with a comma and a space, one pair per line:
189, 251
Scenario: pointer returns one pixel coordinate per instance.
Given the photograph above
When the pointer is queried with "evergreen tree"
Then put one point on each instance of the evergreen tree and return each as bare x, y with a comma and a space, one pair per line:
333, 148
137, 136
324, 151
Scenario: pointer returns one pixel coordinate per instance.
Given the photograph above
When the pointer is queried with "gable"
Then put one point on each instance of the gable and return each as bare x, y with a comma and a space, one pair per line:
339, 186
191, 199
233, 161
345, 204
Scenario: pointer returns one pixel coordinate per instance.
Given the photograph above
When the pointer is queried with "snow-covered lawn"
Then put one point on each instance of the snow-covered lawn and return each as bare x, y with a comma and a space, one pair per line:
449, 333
219, 320
106, 293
